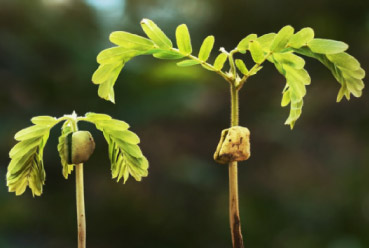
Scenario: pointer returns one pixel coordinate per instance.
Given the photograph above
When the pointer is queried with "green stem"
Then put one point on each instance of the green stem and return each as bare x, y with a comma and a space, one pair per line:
80, 199
234, 212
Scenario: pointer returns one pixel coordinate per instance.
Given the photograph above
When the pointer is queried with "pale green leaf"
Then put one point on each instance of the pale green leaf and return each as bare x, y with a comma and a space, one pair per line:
286, 98
131, 41
256, 51
188, 62
90, 116
281, 39
116, 55
289, 59
106, 89
326, 46
31, 132
156, 34
206, 47
103, 73
344, 60
243, 45
301, 38
183, 39
168, 55
241, 66
219, 61
62, 149
44, 120
266, 40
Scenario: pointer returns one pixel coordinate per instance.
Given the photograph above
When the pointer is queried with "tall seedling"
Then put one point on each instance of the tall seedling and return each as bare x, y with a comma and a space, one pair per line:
26, 167
282, 49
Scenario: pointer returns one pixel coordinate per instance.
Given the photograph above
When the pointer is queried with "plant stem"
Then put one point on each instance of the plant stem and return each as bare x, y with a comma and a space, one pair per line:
234, 212
80, 198
81, 217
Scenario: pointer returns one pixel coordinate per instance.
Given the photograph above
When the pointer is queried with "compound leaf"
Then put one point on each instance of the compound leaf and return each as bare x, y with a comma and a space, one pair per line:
256, 51
188, 62
243, 45
26, 167
66, 168
241, 66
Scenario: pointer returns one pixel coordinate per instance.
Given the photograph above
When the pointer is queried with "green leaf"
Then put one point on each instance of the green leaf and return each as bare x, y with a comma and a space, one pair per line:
344, 61
206, 47
183, 39
62, 149
104, 72
349, 74
188, 62
131, 41
91, 116
241, 66
281, 39
256, 51
325, 46
286, 98
219, 61
243, 45
31, 132
44, 120
266, 40
301, 38
26, 166
106, 88
156, 34
168, 55
116, 55
289, 59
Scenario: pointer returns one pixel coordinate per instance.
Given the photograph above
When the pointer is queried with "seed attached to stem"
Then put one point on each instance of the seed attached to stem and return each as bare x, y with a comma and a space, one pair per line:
234, 145
79, 147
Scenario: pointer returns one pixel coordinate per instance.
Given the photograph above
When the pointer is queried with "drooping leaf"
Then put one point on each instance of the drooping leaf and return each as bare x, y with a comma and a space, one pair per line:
256, 51
326, 46
301, 38
26, 166
219, 61
66, 168
281, 39
241, 66
106, 88
156, 34
243, 45
183, 39
124, 153
188, 62
131, 41
206, 47
349, 74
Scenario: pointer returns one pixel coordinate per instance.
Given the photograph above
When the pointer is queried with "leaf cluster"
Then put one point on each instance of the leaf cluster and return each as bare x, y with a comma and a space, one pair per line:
26, 167
281, 49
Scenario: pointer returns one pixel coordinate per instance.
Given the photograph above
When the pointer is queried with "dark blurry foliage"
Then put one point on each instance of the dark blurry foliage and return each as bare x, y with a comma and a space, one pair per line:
303, 188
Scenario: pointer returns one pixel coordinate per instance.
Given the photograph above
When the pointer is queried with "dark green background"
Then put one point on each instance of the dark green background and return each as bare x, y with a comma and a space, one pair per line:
306, 188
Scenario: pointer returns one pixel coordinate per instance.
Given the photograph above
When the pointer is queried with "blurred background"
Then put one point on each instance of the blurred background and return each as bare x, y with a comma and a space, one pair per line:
303, 188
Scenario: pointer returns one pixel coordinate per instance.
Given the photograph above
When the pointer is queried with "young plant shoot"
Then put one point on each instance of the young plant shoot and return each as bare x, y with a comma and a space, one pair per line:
282, 49
26, 167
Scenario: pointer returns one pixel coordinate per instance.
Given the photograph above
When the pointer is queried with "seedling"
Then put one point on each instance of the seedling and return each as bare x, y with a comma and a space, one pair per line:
282, 49
26, 167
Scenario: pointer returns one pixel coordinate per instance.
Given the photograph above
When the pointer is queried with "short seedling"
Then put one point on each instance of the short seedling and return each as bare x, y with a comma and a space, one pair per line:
26, 167
279, 49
